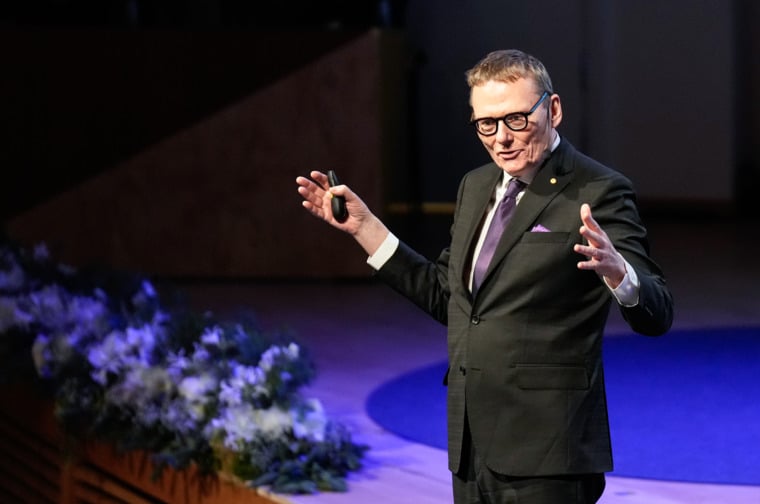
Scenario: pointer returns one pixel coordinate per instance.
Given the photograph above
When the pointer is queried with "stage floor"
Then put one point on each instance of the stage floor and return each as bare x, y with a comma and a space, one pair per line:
362, 334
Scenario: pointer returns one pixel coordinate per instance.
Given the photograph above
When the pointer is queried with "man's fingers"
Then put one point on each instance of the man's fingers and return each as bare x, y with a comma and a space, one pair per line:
320, 178
587, 218
594, 238
591, 230
589, 252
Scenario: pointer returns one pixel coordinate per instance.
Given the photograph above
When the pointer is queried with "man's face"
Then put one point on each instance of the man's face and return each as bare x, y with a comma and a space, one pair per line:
519, 153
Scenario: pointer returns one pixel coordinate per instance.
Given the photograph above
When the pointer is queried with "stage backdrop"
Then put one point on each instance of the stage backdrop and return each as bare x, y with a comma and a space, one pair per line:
217, 198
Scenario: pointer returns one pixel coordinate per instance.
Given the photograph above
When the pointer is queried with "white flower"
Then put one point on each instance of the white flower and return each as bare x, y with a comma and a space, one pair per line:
148, 289
155, 380
12, 278
266, 362
237, 424
54, 308
196, 391
212, 336
243, 382
46, 305
310, 421
149, 414
12, 316
243, 423
293, 351
272, 354
273, 421
177, 365
145, 295
88, 314
48, 351
142, 341
200, 354
231, 394
250, 375
140, 385
176, 417
107, 356
40, 353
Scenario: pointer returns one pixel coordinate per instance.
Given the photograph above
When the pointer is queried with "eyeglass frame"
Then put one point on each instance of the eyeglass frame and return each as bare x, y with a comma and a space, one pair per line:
503, 119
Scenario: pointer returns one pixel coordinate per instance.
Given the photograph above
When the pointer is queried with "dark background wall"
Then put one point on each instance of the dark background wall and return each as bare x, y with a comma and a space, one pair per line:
667, 91
648, 86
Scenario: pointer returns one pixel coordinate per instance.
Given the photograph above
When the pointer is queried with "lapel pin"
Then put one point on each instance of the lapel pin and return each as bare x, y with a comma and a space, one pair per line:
553, 180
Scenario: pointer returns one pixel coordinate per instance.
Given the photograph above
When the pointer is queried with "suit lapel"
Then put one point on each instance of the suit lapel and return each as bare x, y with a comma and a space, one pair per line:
550, 180
478, 196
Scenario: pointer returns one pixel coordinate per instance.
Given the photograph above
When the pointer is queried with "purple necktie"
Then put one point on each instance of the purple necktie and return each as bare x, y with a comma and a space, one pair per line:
498, 224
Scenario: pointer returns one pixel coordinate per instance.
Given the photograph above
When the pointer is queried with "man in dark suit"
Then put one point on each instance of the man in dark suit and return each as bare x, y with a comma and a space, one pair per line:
526, 406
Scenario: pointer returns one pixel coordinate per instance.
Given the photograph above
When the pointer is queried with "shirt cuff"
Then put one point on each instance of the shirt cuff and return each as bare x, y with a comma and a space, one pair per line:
384, 252
627, 293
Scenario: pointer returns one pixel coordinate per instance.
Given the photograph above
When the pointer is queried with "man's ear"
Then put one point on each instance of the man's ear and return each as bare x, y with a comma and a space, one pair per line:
555, 110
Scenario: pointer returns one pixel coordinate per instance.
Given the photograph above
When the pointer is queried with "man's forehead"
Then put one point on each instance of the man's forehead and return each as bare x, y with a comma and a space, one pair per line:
516, 96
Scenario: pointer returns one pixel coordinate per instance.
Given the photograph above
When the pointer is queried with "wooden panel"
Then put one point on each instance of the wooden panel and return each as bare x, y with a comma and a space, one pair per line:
173, 487
77, 101
29, 467
219, 199
34, 470
94, 486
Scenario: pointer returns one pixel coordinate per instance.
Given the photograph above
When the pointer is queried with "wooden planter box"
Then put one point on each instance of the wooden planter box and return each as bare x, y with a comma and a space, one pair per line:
35, 469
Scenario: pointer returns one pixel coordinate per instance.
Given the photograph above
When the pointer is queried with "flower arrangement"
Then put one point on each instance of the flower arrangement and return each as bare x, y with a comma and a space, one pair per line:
183, 386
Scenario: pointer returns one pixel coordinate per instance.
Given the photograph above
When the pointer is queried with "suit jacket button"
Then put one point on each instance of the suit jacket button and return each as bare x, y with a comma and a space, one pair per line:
475, 320
462, 370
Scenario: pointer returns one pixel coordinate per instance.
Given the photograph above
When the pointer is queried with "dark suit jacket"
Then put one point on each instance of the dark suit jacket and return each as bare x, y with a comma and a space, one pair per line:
525, 360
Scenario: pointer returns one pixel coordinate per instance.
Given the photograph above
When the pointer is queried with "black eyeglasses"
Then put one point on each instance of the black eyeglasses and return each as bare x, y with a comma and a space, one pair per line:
516, 121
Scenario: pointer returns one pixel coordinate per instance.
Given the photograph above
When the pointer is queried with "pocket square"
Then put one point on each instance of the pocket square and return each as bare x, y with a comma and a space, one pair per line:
538, 228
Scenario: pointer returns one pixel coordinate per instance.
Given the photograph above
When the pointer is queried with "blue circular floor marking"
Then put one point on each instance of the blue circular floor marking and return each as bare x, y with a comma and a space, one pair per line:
683, 407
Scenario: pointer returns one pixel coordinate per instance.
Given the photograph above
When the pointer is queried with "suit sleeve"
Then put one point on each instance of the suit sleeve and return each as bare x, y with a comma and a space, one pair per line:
422, 281
617, 213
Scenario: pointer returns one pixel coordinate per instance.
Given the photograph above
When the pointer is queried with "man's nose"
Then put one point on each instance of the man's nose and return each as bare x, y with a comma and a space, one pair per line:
503, 133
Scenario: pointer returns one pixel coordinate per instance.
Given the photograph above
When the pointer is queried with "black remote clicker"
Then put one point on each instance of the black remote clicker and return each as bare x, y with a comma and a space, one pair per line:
338, 202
